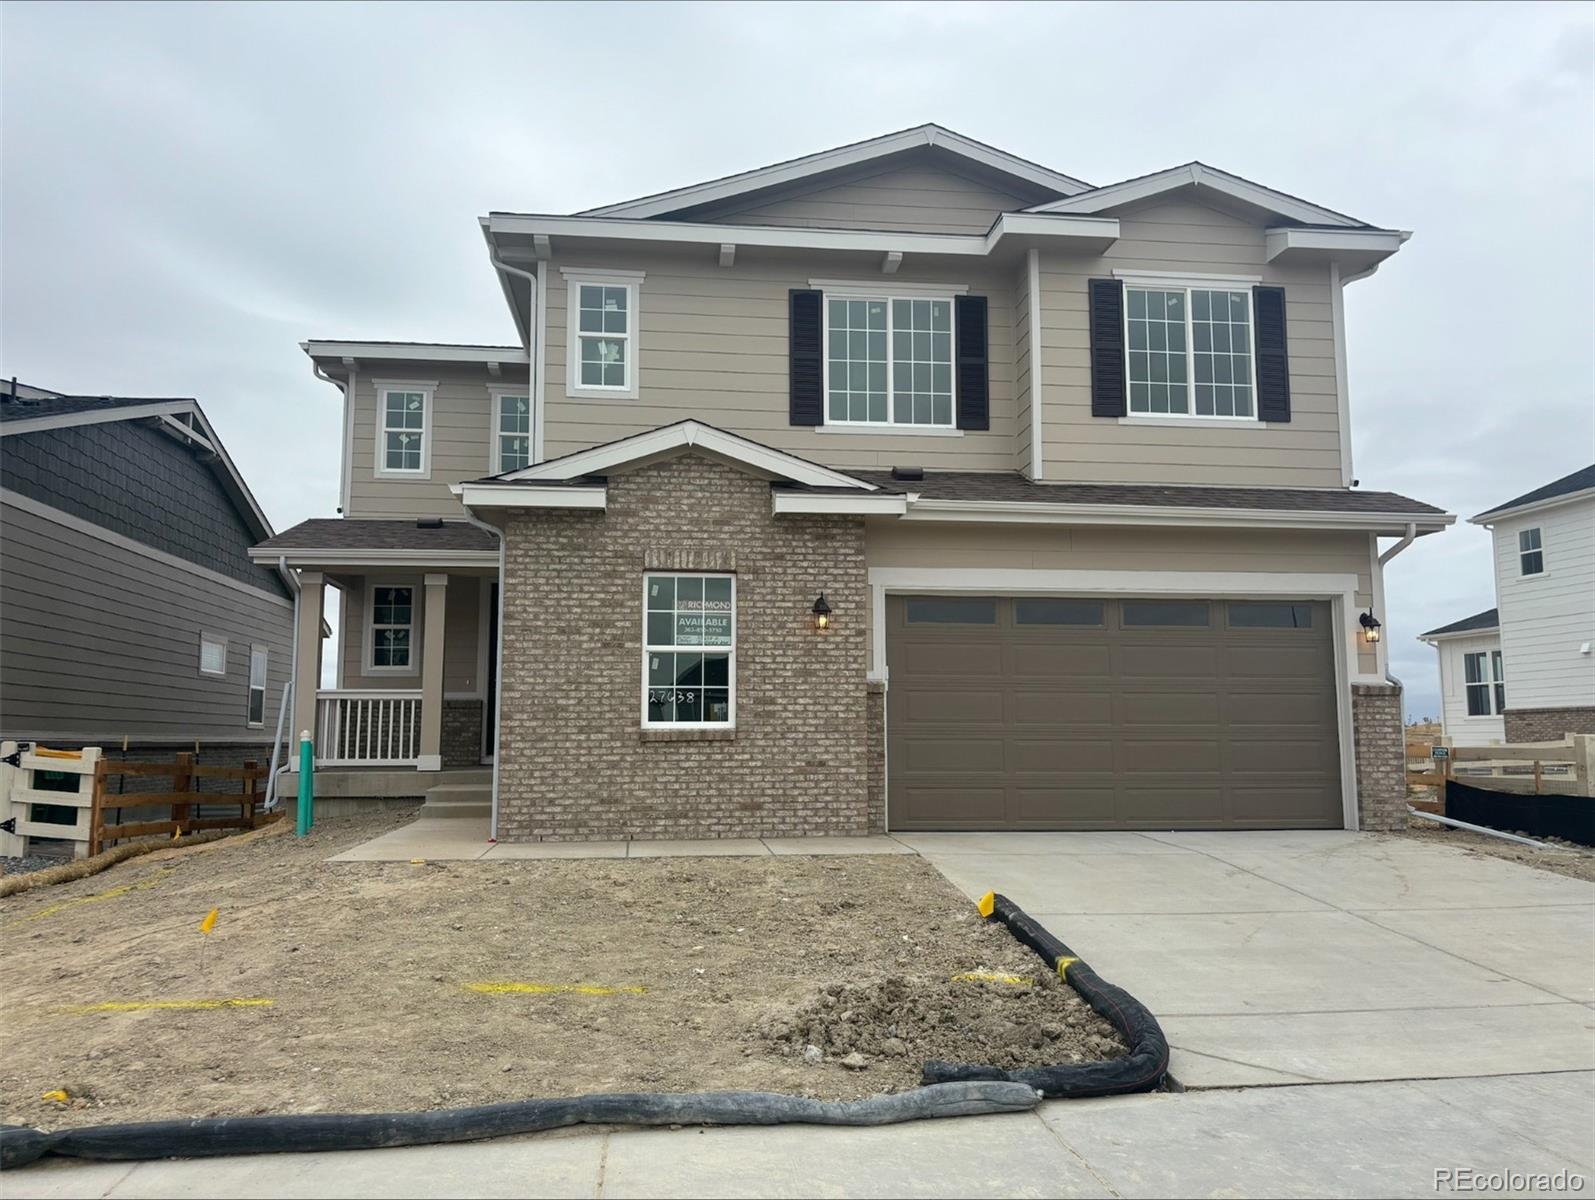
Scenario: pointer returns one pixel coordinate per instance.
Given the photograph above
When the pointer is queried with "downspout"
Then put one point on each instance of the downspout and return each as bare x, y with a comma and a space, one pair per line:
343, 456
292, 581
1406, 540
498, 672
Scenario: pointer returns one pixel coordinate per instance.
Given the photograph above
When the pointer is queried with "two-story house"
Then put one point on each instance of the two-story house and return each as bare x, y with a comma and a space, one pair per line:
1524, 671
907, 485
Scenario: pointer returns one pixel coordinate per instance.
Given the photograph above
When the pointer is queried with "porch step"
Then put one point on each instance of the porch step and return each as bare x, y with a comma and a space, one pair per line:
459, 800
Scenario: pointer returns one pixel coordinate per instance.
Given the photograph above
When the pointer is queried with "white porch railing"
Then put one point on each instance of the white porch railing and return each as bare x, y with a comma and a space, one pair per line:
363, 727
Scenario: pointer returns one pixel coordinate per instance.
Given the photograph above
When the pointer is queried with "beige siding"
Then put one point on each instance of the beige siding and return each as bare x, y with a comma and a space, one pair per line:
458, 433
461, 649
1175, 236
1021, 367
1110, 548
920, 199
713, 345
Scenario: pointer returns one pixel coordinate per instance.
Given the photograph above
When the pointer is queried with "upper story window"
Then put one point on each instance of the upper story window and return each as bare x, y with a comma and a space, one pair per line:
1485, 681
689, 650
404, 433
889, 360
602, 351
391, 623
512, 431
1189, 351
1530, 552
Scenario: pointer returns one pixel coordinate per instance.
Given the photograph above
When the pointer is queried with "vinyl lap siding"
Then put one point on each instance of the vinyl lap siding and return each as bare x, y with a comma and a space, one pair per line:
461, 650
99, 640
1175, 237
713, 345
1546, 618
1022, 371
1459, 727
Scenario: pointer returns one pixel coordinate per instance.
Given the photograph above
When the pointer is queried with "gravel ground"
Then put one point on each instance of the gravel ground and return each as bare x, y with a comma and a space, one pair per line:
31, 862
646, 974
1562, 858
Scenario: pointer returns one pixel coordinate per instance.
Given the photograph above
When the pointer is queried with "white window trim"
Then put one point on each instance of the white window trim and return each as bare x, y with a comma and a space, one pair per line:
731, 653
1489, 683
222, 641
427, 388
864, 288
1540, 550
632, 282
495, 394
1204, 283
368, 633
888, 295
249, 692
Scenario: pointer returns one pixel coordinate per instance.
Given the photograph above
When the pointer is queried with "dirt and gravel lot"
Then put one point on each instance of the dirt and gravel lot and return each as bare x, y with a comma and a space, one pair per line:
721, 973
1561, 858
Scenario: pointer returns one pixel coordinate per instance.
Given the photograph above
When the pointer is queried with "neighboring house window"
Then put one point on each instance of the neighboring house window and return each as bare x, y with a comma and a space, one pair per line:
689, 650
603, 333
889, 360
512, 432
1530, 552
212, 655
1485, 681
257, 685
405, 413
392, 627
1189, 351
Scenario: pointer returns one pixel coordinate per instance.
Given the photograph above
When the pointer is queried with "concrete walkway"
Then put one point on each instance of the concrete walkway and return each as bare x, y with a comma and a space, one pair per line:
1382, 1139
461, 838
1312, 957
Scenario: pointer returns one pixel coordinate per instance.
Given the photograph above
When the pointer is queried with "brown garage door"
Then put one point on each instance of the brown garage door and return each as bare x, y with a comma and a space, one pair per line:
1054, 713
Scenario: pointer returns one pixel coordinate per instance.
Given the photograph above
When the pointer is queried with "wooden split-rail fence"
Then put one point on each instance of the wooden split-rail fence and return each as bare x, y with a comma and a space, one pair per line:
1564, 768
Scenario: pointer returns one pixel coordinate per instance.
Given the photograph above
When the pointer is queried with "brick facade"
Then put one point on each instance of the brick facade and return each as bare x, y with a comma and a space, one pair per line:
876, 731
1547, 724
576, 762
1380, 742
462, 733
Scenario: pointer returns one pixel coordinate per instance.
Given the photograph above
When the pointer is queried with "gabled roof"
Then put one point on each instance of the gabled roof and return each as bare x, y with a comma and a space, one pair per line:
181, 418
854, 154
1482, 622
1200, 175
1568, 487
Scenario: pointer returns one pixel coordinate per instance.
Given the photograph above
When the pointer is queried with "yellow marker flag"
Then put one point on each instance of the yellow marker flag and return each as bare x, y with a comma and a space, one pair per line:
209, 922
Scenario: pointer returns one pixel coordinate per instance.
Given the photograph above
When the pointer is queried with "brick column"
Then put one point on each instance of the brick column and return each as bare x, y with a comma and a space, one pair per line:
875, 717
307, 667
432, 614
1381, 750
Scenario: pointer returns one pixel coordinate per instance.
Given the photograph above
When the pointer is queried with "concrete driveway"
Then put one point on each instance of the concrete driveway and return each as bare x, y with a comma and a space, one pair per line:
1312, 957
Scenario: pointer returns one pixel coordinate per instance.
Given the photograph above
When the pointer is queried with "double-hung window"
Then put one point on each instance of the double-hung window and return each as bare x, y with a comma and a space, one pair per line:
392, 625
602, 350
404, 416
1189, 351
257, 685
512, 431
1530, 552
1485, 682
889, 360
689, 650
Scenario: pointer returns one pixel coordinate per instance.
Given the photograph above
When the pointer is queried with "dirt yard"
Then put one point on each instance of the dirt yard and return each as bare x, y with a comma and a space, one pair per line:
1562, 858
706, 973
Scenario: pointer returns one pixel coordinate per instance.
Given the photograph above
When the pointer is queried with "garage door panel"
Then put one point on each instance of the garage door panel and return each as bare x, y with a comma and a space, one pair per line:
1074, 727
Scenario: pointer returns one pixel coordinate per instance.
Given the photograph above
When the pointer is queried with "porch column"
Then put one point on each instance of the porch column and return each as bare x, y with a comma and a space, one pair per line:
433, 614
307, 667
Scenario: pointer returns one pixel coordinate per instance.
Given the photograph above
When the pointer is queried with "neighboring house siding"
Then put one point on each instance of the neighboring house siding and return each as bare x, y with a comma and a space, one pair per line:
917, 199
461, 649
1109, 548
1462, 729
143, 484
1175, 237
1546, 618
713, 345
100, 640
458, 433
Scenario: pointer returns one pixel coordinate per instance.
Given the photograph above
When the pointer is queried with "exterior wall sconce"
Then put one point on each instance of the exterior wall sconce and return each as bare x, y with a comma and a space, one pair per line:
822, 614
1370, 627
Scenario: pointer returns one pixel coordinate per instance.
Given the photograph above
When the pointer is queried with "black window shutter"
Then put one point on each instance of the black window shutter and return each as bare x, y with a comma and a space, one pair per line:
806, 370
974, 369
1106, 300
1273, 364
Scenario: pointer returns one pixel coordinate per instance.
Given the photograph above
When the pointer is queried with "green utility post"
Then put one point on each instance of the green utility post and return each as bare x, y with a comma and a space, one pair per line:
305, 817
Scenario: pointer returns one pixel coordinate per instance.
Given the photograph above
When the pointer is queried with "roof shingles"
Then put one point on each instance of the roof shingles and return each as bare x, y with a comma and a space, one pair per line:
353, 533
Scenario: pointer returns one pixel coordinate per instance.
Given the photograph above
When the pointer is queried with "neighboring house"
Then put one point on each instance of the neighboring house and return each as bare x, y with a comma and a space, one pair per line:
909, 484
1525, 670
130, 610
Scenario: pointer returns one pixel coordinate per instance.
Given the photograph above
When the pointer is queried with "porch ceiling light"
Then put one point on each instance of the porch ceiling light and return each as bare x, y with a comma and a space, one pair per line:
822, 614
1370, 627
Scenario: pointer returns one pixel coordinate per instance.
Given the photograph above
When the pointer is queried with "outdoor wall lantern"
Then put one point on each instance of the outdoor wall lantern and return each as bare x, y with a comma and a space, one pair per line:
822, 614
1370, 627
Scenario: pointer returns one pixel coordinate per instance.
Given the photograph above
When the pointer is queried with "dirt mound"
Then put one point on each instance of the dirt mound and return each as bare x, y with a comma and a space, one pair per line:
1010, 1021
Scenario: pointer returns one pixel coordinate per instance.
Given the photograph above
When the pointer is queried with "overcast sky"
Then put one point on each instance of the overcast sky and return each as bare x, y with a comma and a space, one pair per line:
191, 190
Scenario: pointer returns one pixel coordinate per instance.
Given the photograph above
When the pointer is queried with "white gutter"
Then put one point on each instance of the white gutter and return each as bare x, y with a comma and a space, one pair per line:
1127, 514
1406, 540
1033, 335
498, 672
1485, 829
1379, 585
293, 685
344, 464
534, 341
